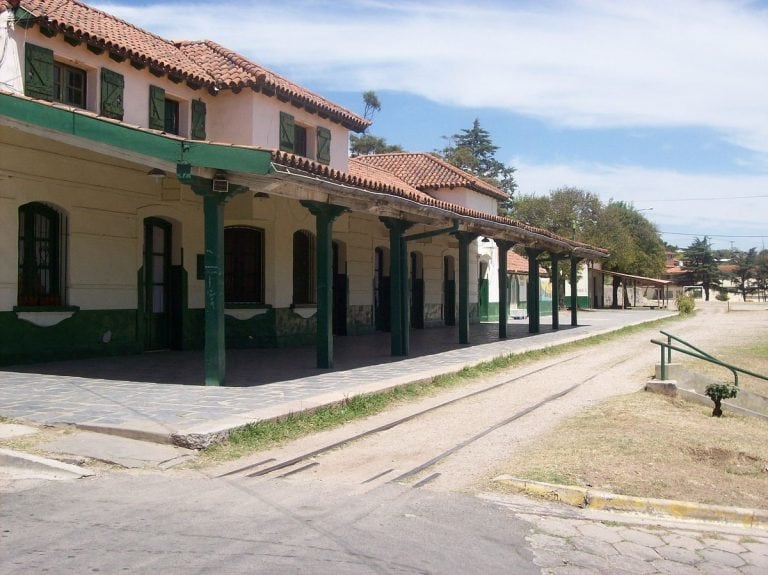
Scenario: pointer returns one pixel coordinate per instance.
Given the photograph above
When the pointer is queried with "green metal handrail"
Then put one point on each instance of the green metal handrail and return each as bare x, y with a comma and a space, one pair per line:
700, 355
670, 337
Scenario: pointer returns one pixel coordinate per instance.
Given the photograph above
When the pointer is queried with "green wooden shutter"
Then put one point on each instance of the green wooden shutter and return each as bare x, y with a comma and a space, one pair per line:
323, 145
38, 72
198, 120
156, 108
112, 85
287, 135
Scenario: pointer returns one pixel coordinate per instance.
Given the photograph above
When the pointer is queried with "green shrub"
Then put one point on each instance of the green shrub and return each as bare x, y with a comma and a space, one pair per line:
717, 392
685, 304
722, 296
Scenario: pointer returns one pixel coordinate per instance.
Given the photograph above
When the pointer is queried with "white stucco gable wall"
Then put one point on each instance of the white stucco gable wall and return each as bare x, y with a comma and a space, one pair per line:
467, 198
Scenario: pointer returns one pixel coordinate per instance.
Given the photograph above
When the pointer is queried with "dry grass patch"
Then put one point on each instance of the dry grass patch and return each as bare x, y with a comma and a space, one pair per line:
751, 352
649, 445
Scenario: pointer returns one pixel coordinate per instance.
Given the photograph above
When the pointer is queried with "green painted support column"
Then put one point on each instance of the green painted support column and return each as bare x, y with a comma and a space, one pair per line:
574, 291
555, 259
398, 274
504, 247
534, 316
215, 358
465, 239
405, 309
324, 214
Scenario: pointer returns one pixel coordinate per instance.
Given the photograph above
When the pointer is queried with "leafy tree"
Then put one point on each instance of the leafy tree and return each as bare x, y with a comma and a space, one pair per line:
569, 212
372, 104
745, 270
700, 264
633, 242
366, 143
473, 151
761, 272
369, 144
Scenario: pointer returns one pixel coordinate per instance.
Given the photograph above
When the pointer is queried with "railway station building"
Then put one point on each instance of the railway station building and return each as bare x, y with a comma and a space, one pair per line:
176, 195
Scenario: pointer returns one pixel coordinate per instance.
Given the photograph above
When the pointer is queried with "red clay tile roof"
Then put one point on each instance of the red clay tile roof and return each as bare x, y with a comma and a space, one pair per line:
392, 187
236, 72
104, 31
516, 263
369, 174
203, 63
425, 171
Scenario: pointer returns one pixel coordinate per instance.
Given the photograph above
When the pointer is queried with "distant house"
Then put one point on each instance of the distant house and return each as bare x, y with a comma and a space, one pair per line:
161, 195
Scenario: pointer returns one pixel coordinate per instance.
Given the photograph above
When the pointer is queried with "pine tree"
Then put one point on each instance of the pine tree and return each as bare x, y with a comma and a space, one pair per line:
473, 151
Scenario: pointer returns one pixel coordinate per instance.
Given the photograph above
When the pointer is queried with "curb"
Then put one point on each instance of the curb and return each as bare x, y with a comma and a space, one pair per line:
51, 468
604, 501
204, 435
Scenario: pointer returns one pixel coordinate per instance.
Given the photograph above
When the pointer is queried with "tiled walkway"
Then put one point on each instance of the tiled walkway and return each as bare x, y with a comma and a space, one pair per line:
145, 393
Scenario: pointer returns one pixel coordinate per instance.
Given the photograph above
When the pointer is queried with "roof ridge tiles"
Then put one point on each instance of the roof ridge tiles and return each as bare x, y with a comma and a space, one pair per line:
120, 37
427, 176
312, 167
256, 74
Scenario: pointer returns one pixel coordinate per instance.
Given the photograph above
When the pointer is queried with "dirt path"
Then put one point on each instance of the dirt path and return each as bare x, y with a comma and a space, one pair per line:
583, 378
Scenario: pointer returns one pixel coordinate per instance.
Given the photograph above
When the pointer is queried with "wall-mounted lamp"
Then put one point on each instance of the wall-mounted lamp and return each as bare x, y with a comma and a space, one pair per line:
156, 174
485, 240
220, 183
261, 196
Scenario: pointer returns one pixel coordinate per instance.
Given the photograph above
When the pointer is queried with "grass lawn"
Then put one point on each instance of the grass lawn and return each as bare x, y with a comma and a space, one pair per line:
649, 445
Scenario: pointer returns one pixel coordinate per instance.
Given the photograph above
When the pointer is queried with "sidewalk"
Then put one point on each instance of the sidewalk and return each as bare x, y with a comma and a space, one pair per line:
118, 395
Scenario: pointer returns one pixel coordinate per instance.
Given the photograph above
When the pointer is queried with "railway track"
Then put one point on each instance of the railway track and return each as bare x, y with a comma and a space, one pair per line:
292, 466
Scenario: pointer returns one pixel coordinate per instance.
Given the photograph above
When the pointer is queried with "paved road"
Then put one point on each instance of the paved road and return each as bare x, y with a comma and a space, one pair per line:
192, 525
187, 522
567, 541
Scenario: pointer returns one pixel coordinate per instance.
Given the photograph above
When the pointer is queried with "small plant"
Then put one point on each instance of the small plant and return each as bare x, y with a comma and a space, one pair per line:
717, 392
685, 304
722, 296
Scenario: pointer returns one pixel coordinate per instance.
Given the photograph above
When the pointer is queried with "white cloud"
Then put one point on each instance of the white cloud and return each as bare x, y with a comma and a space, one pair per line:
674, 196
587, 63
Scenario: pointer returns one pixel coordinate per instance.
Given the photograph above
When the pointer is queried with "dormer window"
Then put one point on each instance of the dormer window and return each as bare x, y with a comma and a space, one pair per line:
304, 141
171, 117
299, 140
48, 79
69, 85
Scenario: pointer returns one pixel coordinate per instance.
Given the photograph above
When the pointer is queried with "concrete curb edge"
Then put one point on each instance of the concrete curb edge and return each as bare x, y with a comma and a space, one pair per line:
35, 463
602, 500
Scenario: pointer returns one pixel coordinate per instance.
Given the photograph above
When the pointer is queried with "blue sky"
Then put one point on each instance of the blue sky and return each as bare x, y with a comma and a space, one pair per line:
660, 103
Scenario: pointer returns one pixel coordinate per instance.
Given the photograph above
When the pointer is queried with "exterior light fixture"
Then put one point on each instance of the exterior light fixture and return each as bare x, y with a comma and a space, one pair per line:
156, 174
220, 183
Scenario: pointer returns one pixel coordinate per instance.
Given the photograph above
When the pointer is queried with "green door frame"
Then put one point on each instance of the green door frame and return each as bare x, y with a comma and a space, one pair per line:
157, 330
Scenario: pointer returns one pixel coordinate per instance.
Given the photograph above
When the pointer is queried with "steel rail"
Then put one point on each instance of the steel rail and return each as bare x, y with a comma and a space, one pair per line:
386, 426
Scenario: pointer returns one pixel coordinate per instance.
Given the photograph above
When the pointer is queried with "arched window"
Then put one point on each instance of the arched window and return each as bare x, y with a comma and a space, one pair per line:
41, 256
304, 289
243, 265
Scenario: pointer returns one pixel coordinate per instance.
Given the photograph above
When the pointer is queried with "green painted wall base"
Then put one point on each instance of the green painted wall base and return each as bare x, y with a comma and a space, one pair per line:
97, 333
88, 333
489, 311
582, 301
